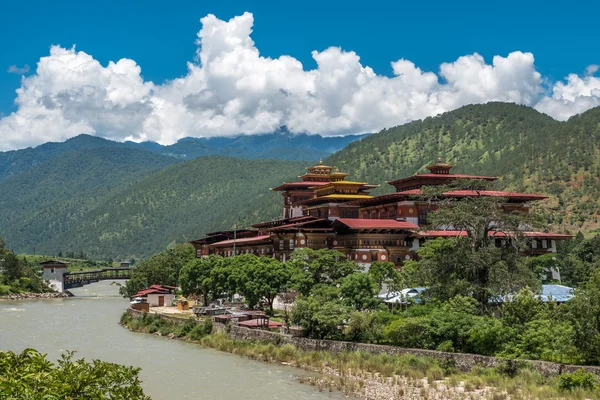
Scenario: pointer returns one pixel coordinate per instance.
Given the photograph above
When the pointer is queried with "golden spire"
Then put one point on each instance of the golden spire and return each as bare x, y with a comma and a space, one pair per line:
320, 161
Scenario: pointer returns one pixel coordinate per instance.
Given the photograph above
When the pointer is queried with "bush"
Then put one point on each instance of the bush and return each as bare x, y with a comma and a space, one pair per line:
410, 332
488, 336
201, 330
578, 380
547, 340
4, 290
364, 327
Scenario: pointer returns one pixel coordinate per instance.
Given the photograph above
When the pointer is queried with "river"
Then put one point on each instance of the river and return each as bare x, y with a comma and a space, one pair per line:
171, 369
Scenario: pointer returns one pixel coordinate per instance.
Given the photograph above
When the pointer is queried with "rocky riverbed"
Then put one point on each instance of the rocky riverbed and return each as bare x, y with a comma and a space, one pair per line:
32, 296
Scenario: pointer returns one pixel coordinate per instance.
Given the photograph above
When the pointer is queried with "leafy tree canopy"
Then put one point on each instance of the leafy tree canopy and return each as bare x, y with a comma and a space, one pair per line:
29, 375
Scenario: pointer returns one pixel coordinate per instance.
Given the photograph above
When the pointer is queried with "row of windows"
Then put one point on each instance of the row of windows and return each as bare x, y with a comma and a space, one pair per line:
373, 242
229, 253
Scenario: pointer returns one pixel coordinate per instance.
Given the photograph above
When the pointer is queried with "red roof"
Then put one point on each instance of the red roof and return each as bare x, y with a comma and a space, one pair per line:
299, 224
145, 292
540, 235
283, 221
359, 223
155, 289
242, 240
443, 176
306, 184
470, 193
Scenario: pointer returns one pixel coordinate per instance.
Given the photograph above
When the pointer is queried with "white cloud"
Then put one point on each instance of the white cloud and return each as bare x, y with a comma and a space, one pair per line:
574, 96
13, 69
232, 89
591, 69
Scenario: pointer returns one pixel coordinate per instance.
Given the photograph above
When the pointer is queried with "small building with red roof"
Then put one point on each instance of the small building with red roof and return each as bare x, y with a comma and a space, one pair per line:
157, 295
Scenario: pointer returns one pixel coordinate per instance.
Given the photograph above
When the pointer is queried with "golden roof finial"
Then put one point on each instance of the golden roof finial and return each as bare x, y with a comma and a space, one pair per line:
439, 159
320, 161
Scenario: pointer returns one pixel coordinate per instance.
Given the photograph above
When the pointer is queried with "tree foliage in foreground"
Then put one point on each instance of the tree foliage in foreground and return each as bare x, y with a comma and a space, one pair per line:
30, 375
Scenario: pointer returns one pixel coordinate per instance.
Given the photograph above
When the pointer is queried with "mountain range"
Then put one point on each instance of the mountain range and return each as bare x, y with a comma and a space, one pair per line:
115, 200
280, 144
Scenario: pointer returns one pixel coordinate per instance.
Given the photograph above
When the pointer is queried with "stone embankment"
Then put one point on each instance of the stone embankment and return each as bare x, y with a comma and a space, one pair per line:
462, 361
33, 296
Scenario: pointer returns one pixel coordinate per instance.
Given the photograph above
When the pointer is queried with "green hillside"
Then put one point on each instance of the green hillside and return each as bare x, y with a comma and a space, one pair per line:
48, 200
181, 203
138, 216
528, 150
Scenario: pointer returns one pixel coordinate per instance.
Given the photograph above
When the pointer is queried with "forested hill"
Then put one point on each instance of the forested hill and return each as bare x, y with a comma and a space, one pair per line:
281, 145
114, 203
528, 150
47, 201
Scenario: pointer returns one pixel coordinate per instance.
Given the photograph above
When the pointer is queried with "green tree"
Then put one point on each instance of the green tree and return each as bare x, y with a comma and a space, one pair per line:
487, 261
547, 340
195, 276
365, 327
322, 320
260, 278
160, 269
521, 309
359, 292
29, 375
583, 311
13, 268
312, 267
412, 332
386, 274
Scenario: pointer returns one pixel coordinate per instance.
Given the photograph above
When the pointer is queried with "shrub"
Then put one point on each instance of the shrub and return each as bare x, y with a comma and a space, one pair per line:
364, 327
410, 332
446, 346
578, 380
201, 330
549, 341
4, 290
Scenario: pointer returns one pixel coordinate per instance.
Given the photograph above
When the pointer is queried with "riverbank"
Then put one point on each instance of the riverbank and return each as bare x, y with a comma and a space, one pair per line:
379, 376
33, 296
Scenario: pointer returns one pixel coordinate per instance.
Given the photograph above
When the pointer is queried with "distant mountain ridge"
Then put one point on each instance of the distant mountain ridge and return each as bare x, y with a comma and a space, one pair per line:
279, 145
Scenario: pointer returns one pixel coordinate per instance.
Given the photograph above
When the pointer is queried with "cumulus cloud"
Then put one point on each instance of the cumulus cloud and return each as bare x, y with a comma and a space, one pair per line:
591, 69
13, 69
231, 89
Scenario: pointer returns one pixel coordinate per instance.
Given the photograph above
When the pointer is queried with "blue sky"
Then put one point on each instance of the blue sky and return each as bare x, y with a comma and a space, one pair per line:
160, 36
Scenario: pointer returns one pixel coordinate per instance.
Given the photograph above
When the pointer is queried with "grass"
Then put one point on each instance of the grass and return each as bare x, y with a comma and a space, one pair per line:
406, 376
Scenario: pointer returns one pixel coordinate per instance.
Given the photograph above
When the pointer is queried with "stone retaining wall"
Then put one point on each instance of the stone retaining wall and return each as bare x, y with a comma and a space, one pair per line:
462, 361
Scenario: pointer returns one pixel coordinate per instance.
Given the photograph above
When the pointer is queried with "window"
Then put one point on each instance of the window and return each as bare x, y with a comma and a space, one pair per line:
291, 244
281, 244
423, 216
51, 270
